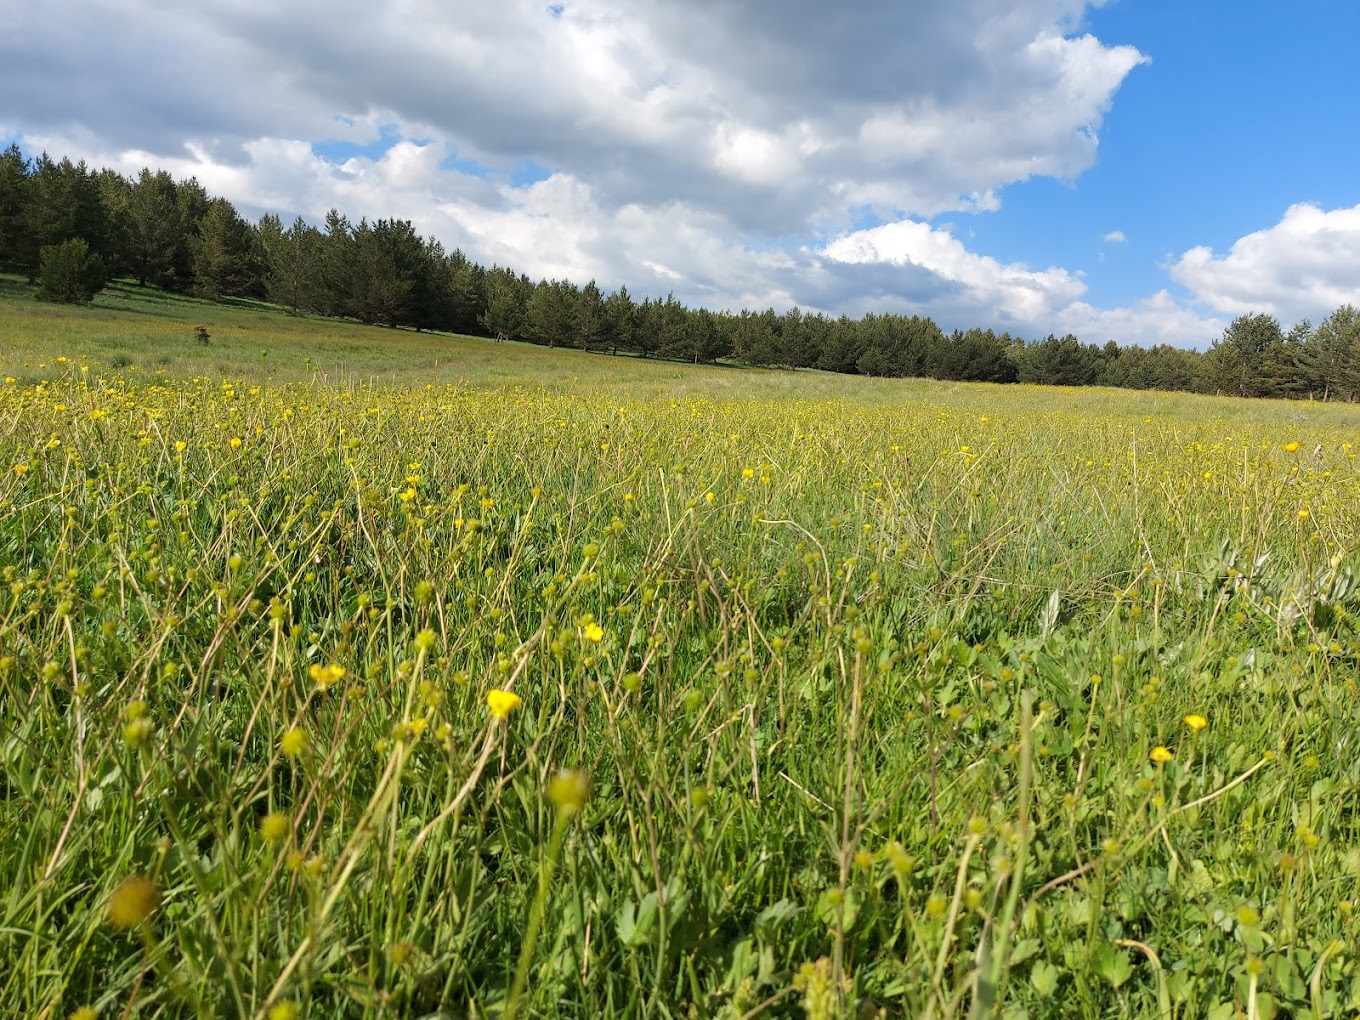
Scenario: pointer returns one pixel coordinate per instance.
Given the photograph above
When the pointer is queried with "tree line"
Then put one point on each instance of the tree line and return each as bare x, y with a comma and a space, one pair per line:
68, 229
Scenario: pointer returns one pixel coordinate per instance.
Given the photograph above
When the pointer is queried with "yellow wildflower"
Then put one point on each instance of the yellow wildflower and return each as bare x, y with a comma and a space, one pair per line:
1160, 755
325, 676
568, 791
502, 703
293, 743
135, 899
1196, 722
275, 826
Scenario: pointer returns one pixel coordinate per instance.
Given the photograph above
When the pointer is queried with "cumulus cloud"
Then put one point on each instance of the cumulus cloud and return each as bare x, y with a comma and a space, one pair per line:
1305, 265
712, 148
777, 116
1114, 237
1017, 294
943, 277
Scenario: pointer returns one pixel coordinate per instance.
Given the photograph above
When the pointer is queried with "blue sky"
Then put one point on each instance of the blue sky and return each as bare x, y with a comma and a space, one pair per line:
1243, 109
1141, 170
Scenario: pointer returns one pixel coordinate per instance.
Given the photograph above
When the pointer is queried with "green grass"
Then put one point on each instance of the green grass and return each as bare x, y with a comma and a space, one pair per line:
879, 669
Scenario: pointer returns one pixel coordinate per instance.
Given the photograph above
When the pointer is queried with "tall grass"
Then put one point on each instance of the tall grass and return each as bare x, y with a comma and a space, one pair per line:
827, 705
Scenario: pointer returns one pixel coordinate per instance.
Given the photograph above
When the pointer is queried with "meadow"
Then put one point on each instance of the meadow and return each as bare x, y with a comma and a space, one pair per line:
352, 672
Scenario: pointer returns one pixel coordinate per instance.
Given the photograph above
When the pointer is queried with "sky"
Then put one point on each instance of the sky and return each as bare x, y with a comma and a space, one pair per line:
1135, 170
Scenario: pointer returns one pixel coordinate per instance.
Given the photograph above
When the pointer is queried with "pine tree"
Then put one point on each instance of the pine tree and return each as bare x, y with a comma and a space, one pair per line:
69, 272
548, 313
1334, 356
155, 228
589, 317
620, 315
18, 251
506, 297
292, 263
221, 253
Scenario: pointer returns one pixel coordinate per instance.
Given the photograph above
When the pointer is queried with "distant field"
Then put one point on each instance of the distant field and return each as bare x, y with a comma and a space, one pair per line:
831, 696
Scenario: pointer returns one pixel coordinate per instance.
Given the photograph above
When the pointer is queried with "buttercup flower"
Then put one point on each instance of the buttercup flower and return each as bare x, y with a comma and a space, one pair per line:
502, 703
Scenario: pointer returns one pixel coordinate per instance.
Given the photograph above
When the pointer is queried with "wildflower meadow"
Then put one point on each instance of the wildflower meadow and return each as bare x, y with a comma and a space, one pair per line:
511, 686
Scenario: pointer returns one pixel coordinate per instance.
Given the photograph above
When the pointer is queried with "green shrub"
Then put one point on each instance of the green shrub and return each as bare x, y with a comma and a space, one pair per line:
70, 273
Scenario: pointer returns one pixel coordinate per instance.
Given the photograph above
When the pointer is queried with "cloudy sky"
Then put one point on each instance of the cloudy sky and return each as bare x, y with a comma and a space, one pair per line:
1142, 170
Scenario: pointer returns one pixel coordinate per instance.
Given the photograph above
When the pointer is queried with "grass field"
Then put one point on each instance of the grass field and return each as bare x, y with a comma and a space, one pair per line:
355, 672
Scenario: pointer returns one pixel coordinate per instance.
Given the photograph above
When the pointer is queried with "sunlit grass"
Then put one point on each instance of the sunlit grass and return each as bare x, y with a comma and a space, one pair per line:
971, 694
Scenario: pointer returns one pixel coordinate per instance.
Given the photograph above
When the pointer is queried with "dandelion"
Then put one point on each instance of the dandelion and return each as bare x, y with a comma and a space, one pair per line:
502, 703
1196, 722
83, 1013
286, 1010
135, 900
1291, 447
594, 633
1161, 755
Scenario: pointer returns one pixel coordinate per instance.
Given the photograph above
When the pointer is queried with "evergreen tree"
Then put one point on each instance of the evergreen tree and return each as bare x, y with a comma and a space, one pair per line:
292, 260
755, 338
18, 250
336, 268
154, 228
115, 193
1333, 358
620, 321
383, 260
703, 337
1061, 361
432, 299
660, 328
1236, 358
465, 294
62, 202
505, 302
548, 313
589, 318
842, 347
192, 202
978, 355
222, 250
69, 272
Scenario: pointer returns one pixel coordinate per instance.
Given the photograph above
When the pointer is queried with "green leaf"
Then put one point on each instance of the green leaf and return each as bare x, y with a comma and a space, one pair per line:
1112, 964
1044, 977
1024, 949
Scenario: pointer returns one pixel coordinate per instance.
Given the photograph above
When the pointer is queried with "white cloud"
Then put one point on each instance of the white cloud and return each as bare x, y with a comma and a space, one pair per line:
958, 285
1018, 294
1304, 266
689, 145
779, 117
1114, 237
